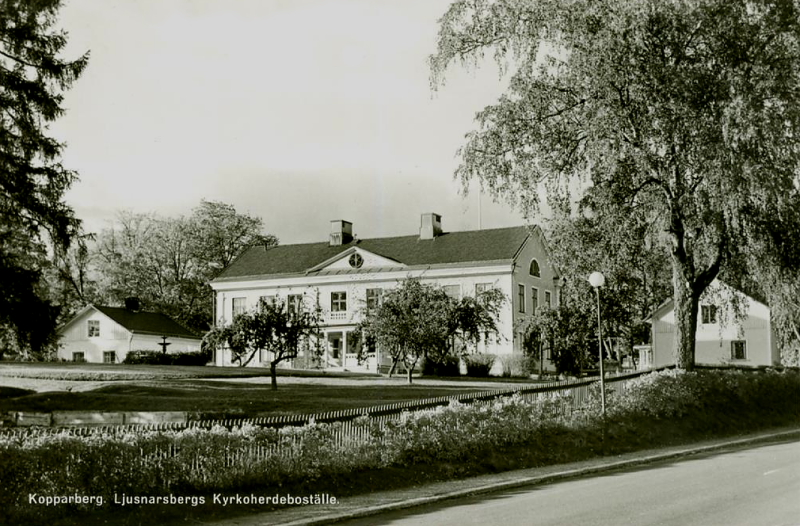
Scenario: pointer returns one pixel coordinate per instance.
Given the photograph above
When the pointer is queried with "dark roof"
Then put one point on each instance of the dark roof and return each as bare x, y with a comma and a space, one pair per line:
447, 248
147, 322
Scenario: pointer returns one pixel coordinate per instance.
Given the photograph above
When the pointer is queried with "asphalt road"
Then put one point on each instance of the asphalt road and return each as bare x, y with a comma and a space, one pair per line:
759, 486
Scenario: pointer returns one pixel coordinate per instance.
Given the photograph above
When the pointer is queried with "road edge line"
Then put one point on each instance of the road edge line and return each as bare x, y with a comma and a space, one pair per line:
531, 481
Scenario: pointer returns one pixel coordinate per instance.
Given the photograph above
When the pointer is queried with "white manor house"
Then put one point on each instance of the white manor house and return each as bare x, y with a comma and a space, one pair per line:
345, 274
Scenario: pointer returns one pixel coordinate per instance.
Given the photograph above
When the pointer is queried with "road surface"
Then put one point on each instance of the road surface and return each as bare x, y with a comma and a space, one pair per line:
759, 486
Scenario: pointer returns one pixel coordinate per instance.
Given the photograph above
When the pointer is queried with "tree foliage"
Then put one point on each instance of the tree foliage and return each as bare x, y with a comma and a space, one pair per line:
272, 327
167, 262
687, 109
33, 214
567, 332
416, 320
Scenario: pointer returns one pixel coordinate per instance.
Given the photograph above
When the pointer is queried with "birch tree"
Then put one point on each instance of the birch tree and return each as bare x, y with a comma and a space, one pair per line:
688, 108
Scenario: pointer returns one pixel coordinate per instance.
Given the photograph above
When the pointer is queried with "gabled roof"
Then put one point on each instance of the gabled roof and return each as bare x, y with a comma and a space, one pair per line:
141, 322
669, 304
473, 246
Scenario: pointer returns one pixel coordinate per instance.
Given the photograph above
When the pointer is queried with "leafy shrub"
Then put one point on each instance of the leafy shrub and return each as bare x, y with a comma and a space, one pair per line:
479, 364
195, 461
160, 358
709, 401
445, 366
517, 365
147, 358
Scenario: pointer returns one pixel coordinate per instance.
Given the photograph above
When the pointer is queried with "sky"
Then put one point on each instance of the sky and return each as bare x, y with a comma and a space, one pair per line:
296, 111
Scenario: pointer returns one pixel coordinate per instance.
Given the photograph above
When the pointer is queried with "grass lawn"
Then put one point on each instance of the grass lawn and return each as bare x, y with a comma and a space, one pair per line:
110, 372
226, 397
228, 390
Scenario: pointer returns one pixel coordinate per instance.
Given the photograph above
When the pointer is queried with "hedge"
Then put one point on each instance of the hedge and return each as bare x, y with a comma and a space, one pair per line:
198, 461
161, 358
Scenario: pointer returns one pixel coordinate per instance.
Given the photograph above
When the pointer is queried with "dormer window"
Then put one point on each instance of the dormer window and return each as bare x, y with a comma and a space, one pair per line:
535, 272
356, 260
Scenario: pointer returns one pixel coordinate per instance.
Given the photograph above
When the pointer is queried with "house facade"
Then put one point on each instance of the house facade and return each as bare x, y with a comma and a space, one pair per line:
343, 275
732, 328
100, 334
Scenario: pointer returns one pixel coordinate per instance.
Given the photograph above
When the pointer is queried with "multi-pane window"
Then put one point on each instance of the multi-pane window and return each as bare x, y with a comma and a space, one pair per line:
239, 305
294, 303
535, 271
267, 300
454, 291
521, 294
480, 288
109, 357
708, 313
534, 299
338, 301
93, 328
548, 298
373, 298
78, 357
738, 350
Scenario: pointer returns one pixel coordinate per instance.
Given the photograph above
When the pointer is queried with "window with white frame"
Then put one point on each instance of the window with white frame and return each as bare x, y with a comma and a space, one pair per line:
78, 357
708, 314
454, 291
109, 357
239, 306
535, 271
534, 299
373, 298
267, 300
338, 301
294, 303
548, 298
521, 297
480, 288
93, 328
738, 350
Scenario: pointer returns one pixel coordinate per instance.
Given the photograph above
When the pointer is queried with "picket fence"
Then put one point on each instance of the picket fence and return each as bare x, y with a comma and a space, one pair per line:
574, 392
347, 436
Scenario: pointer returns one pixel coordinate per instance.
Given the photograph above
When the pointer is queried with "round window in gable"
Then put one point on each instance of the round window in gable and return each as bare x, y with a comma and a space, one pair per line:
356, 260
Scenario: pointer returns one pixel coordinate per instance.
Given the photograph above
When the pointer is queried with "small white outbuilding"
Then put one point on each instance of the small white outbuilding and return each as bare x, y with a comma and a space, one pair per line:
101, 334
732, 328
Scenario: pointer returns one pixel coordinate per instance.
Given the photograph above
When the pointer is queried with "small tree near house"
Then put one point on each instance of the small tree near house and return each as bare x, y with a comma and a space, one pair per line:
411, 322
417, 320
274, 328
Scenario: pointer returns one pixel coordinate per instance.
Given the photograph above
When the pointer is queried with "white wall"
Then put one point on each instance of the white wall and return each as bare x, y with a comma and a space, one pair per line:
534, 248
713, 345
499, 274
113, 337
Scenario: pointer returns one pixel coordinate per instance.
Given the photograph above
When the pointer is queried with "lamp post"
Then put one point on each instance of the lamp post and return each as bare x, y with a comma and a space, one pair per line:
597, 280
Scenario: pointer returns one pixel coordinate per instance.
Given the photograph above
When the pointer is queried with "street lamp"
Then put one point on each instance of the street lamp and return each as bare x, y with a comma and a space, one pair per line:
597, 280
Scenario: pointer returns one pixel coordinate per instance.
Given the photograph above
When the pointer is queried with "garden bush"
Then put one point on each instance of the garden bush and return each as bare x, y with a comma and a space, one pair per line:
161, 358
479, 364
445, 366
652, 410
517, 365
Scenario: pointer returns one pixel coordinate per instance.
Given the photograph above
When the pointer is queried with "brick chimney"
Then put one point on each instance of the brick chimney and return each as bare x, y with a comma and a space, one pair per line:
341, 232
132, 304
430, 226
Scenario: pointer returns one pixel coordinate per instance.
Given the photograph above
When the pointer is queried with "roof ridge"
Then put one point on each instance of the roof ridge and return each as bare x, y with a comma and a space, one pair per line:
356, 241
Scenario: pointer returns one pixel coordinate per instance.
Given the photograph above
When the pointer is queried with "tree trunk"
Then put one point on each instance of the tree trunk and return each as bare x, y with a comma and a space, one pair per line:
410, 370
273, 373
541, 360
686, 307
